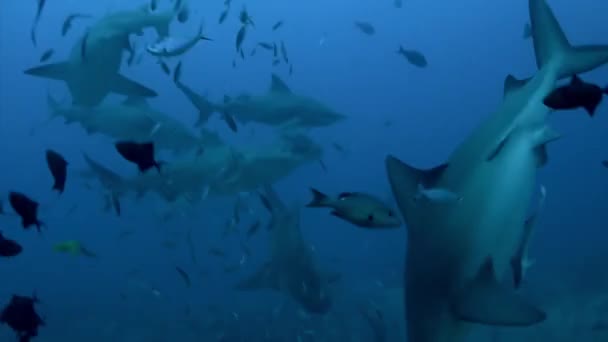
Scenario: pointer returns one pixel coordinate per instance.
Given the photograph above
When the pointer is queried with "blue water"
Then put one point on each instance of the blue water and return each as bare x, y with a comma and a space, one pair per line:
131, 292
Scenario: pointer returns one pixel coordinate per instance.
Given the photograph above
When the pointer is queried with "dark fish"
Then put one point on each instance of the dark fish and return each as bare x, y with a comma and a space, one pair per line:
284, 52
115, 203
265, 202
365, 27
184, 276
527, 31
605, 163
26, 208
9, 248
414, 57
165, 68
277, 25
275, 50
265, 45
358, 208
577, 94
46, 55
140, 154
69, 20
245, 18
177, 73
229, 119
240, 36
223, 15
59, 169
20, 315
83, 47
253, 228
39, 9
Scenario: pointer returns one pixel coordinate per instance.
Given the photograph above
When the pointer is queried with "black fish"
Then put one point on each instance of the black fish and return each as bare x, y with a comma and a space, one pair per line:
253, 228
277, 25
177, 73
577, 94
229, 119
46, 55
67, 23
240, 36
414, 57
39, 9
20, 315
165, 67
184, 276
140, 154
9, 248
265, 202
26, 208
58, 167
223, 16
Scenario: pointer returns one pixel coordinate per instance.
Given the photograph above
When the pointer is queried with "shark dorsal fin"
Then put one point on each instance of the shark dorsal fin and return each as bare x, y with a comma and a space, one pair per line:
511, 84
135, 101
484, 300
277, 85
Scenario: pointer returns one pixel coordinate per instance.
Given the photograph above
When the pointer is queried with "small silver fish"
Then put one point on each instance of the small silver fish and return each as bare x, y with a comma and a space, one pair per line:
436, 195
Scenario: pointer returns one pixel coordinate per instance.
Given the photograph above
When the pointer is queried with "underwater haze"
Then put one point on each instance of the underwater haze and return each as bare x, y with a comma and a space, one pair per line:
227, 179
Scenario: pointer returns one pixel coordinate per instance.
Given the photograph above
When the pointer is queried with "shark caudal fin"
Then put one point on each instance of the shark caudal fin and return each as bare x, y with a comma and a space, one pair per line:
553, 49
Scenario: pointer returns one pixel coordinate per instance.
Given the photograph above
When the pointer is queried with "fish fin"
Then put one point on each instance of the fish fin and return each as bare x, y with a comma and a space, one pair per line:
511, 84
124, 86
590, 108
552, 47
55, 71
319, 199
266, 277
575, 80
405, 180
278, 85
485, 301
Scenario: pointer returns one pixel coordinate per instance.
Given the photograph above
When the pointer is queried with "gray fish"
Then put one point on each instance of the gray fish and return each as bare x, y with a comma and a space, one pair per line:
365, 27
360, 209
184, 276
277, 25
177, 73
69, 20
413, 57
46, 55
265, 202
223, 16
165, 67
284, 52
240, 36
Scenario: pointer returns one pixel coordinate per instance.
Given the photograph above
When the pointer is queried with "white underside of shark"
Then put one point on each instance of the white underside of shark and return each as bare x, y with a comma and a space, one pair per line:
458, 253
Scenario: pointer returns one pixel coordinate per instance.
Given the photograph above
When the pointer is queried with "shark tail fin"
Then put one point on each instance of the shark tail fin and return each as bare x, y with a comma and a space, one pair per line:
486, 301
552, 47
319, 199
406, 182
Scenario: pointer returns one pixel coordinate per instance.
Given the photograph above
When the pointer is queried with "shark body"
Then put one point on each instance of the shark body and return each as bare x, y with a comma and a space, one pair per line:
91, 71
291, 268
458, 253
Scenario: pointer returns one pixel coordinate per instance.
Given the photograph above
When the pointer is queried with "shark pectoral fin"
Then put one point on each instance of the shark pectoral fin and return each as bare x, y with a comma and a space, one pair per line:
55, 71
278, 85
544, 136
124, 86
485, 301
266, 277
405, 181
512, 84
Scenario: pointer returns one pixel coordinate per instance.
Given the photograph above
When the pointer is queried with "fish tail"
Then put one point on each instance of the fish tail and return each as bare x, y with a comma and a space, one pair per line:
319, 199
57, 187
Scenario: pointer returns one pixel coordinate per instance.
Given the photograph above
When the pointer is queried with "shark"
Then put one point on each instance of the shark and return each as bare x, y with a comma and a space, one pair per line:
278, 107
91, 71
133, 119
291, 268
458, 253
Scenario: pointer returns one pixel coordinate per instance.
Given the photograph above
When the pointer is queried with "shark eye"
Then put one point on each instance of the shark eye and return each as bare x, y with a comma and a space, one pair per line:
370, 217
390, 213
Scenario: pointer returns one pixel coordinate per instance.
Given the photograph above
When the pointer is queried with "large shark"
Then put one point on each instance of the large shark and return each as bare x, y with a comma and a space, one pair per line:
291, 268
133, 119
92, 69
279, 106
458, 252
